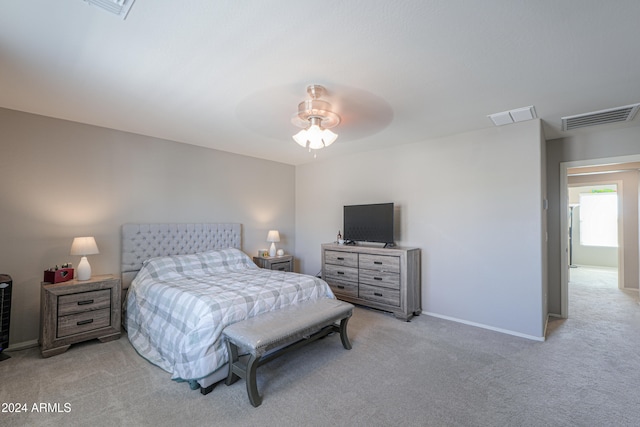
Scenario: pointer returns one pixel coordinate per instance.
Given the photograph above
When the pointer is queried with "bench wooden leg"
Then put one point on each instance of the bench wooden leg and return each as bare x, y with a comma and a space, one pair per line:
238, 370
233, 358
252, 387
343, 333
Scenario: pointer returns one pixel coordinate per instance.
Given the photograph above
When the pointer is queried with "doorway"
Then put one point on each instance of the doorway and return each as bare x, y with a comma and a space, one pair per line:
600, 170
595, 227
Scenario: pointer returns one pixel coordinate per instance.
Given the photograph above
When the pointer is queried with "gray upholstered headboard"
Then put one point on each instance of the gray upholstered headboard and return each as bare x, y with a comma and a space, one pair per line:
144, 241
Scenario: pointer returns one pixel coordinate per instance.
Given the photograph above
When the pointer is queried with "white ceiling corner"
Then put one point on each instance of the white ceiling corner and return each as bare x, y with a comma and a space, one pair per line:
229, 75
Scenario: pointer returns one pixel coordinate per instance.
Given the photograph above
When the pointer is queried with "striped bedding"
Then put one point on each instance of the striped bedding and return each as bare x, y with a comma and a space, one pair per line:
177, 306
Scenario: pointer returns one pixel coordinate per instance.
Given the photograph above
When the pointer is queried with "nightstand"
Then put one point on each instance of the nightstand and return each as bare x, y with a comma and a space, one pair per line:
281, 263
76, 311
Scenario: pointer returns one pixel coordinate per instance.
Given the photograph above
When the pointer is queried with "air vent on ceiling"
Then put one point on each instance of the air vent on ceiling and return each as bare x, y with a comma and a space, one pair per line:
117, 7
602, 117
513, 116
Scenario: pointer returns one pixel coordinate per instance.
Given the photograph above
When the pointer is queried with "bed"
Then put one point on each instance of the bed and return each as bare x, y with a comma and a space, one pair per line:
185, 283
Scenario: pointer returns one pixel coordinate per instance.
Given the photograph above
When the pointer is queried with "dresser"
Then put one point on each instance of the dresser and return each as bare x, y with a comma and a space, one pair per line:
383, 278
76, 311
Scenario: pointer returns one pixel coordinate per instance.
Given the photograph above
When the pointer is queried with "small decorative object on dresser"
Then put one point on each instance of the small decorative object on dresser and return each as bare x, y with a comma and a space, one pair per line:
76, 311
282, 263
382, 278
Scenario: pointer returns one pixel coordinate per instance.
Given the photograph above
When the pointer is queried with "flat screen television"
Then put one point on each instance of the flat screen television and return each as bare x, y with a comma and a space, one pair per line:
369, 223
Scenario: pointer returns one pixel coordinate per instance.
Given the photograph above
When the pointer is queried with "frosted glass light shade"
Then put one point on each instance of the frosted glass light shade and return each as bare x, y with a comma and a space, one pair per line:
301, 138
315, 137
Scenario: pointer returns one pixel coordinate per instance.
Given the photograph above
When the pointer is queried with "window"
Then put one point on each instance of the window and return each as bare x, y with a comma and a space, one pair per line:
599, 219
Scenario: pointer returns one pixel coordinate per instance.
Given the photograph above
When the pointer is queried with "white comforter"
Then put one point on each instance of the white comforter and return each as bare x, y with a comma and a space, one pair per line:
177, 306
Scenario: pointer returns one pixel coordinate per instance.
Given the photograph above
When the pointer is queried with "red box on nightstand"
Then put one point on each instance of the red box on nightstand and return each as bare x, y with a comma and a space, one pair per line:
58, 276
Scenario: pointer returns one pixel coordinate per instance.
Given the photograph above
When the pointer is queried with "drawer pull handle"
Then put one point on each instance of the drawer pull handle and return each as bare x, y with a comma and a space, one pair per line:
340, 287
89, 301
377, 262
281, 269
84, 322
340, 272
377, 278
340, 258
377, 294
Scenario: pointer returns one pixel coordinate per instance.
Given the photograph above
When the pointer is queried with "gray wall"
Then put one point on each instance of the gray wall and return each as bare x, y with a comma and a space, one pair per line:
473, 204
607, 143
62, 179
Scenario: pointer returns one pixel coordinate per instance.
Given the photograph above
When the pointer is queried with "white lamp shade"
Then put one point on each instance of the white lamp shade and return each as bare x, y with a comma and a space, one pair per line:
273, 236
84, 246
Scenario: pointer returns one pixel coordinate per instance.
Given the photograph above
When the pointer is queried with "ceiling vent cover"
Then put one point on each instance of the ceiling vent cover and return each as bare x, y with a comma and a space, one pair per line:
602, 117
117, 7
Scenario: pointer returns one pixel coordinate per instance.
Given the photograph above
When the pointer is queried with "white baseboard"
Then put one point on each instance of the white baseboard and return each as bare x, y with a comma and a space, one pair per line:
23, 345
491, 328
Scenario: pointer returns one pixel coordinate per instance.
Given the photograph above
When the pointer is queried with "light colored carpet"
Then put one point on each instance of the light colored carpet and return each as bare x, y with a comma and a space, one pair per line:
428, 372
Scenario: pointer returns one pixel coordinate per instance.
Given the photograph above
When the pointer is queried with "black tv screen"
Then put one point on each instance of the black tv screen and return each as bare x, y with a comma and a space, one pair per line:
369, 223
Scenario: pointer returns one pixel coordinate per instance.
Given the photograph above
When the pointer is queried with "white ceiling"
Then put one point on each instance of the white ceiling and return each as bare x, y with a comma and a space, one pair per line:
228, 74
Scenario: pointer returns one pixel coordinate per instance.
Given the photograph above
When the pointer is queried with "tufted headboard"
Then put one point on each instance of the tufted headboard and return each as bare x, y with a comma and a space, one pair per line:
143, 241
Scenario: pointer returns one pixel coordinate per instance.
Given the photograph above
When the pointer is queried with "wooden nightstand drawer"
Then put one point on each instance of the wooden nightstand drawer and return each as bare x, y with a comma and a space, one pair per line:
281, 266
278, 263
380, 262
382, 295
83, 322
84, 301
346, 259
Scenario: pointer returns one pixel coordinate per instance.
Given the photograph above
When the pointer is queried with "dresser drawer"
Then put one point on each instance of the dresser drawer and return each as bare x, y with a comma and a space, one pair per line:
380, 278
340, 273
380, 262
84, 301
344, 288
83, 322
346, 259
381, 295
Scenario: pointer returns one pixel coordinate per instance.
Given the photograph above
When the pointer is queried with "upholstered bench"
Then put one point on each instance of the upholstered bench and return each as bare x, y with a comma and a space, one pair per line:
281, 330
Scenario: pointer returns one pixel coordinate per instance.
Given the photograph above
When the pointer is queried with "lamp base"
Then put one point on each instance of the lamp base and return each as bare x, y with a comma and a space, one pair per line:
272, 249
83, 270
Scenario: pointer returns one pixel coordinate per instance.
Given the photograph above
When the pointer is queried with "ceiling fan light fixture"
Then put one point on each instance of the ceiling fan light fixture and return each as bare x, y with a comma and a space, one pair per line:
315, 137
316, 118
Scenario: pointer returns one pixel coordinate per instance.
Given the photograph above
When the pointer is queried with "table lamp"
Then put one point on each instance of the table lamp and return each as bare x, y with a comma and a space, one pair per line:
84, 246
273, 237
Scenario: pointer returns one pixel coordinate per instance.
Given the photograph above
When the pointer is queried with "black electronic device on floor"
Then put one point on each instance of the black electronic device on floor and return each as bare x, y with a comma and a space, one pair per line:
5, 313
